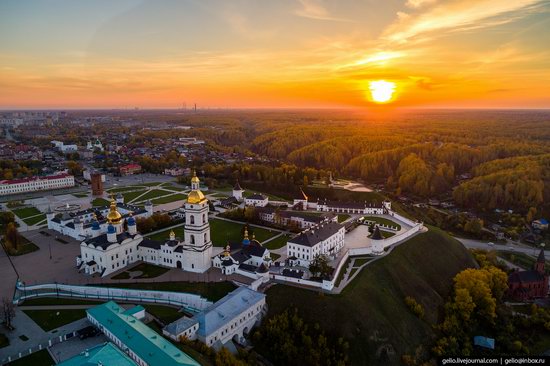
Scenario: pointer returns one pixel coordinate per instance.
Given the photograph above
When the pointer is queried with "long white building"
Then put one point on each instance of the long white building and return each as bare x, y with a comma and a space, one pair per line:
116, 249
362, 208
32, 184
327, 238
230, 318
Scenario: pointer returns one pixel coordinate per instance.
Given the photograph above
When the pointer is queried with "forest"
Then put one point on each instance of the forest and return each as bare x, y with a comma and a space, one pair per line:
481, 159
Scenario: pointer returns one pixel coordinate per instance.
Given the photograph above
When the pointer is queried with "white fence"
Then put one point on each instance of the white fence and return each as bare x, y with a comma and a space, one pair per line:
329, 285
191, 302
388, 241
402, 218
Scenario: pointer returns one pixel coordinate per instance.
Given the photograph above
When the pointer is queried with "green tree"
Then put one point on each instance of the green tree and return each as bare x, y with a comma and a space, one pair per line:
320, 267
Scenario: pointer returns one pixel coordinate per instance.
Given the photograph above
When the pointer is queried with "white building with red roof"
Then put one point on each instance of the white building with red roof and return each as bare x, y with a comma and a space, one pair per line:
33, 184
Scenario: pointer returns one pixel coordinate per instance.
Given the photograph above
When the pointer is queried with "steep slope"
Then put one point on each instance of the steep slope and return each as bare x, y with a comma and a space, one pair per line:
371, 313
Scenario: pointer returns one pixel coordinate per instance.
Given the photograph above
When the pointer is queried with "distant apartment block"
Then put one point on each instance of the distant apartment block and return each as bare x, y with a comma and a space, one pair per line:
33, 184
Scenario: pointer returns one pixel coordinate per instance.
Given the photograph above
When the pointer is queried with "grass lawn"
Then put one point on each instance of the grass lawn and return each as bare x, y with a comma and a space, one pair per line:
166, 314
151, 184
165, 234
172, 187
23, 213
519, 259
154, 193
100, 202
122, 276
213, 291
38, 358
278, 242
52, 319
382, 221
372, 313
168, 199
25, 247
342, 272
343, 217
360, 261
274, 256
128, 196
386, 234
126, 188
34, 219
80, 195
223, 231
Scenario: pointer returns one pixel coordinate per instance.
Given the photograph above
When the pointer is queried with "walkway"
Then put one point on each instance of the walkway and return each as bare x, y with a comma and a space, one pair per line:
25, 326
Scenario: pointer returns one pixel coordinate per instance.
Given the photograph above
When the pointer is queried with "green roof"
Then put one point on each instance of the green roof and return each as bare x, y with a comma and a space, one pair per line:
105, 354
150, 346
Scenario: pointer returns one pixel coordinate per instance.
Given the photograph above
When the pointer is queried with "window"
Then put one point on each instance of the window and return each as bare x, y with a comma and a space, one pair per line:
192, 238
192, 220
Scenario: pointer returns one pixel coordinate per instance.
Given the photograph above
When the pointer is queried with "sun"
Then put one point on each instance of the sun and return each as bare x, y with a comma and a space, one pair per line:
381, 91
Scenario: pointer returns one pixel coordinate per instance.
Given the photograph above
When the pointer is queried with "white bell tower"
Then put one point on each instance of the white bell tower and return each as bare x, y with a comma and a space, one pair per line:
197, 247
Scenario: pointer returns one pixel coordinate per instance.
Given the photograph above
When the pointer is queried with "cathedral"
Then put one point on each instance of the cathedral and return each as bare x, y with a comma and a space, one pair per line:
118, 248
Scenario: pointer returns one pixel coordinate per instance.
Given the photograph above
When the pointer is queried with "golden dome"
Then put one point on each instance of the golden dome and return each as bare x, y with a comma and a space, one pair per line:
196, 197
114, 216
195, 179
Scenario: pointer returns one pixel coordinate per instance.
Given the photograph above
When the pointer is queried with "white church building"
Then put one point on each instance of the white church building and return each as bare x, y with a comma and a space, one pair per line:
93, 222
116, 249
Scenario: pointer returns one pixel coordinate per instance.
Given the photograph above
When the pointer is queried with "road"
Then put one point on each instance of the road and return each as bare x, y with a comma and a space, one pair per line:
514, 247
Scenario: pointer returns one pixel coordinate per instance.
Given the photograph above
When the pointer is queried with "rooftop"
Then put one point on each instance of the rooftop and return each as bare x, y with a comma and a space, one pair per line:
317, 234
223, 311
102, 354
142, 340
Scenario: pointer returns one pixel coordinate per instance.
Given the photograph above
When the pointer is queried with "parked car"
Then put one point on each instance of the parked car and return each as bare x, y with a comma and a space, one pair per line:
89, 331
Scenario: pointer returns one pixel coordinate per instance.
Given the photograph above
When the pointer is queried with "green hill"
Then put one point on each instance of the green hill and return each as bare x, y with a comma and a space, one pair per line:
370, 313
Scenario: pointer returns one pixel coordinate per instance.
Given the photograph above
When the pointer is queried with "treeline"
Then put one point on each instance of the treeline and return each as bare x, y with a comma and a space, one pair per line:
10, 169
518, 183
286, 339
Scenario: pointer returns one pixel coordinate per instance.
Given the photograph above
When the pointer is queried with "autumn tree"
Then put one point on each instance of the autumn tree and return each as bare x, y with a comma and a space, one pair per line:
12, 239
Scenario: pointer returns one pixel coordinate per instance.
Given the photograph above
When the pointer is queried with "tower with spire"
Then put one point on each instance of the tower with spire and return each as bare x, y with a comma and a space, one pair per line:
238, 191
197, 246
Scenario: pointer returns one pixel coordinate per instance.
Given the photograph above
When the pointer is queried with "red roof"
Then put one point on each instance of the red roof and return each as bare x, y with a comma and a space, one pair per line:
131, 166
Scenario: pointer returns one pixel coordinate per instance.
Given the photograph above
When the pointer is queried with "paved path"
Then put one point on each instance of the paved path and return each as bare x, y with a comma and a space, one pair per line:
24, 325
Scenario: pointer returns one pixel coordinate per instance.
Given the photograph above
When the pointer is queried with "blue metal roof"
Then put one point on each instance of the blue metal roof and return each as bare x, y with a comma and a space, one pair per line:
150, 346
484, 342
226, 309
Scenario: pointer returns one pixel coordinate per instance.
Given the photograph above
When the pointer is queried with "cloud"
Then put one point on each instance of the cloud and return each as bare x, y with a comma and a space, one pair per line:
418, 3
314, 9
458, 15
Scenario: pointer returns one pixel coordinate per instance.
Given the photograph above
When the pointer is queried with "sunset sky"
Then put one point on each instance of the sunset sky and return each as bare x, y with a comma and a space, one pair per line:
278, 53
